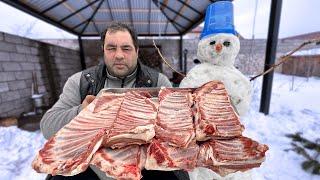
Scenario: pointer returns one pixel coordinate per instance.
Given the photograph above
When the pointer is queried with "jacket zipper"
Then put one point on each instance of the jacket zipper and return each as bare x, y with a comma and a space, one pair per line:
122, 83
91, 81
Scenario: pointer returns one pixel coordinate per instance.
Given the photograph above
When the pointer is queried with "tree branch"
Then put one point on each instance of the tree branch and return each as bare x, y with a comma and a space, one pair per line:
285, 57
165, 61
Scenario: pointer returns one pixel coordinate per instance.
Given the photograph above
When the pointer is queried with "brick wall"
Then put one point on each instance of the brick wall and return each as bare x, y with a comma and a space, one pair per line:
19, 57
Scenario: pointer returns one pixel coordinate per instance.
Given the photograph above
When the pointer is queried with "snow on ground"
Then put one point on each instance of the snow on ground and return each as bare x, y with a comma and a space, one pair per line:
18, 148
294, 108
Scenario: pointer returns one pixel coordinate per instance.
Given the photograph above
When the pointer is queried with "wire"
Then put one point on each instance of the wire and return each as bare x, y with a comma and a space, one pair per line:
253, 31
284, 58
159, 19
254, 19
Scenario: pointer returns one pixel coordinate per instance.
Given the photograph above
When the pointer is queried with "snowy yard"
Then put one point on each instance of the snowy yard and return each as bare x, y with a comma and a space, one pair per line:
292, 110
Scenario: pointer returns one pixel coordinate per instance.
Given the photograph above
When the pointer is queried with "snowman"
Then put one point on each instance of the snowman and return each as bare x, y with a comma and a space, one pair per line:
217, 50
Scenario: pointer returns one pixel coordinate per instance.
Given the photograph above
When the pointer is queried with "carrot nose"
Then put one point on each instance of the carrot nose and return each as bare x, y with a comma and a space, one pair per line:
218, 47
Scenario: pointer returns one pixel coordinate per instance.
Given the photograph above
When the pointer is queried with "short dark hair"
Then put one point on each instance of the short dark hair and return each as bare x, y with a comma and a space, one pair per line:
118, 26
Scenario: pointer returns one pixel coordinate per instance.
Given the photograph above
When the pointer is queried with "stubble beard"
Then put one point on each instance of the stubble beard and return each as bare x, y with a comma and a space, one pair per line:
121, 73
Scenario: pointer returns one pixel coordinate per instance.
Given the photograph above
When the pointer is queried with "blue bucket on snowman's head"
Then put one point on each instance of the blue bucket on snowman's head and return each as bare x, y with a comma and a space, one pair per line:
219, 19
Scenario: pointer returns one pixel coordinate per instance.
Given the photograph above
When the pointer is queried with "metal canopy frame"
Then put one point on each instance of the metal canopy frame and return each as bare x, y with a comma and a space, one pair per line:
83, 17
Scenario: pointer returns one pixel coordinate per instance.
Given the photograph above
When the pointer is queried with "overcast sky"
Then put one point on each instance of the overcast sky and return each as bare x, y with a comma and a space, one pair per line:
298, 17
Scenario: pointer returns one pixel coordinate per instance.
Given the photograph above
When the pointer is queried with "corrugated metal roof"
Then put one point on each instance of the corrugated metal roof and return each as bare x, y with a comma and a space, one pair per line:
90, 17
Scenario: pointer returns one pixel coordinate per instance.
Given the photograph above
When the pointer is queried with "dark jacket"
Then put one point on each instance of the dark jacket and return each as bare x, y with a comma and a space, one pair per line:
93, 79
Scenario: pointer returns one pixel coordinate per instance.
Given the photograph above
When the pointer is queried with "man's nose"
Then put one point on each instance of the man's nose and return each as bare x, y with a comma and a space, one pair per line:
119, 54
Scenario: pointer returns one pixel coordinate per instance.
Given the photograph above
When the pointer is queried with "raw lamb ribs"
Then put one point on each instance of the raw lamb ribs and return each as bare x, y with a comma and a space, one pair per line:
174, 123
164, 157
135, 121
123, 163
228, 156
70, 150
123, 133
215, 117
174, 146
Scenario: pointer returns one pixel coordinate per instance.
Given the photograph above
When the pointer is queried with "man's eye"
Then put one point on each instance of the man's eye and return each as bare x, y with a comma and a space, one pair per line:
226, 43
126, 49
212, 42
111, 49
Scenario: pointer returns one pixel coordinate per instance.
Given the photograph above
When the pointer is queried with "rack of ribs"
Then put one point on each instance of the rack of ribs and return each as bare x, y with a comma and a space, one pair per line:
215, 117
70, 150
124, 133
135, 120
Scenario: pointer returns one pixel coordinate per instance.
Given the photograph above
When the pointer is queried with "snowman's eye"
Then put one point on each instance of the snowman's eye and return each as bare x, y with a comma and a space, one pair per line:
226, 43
212, 42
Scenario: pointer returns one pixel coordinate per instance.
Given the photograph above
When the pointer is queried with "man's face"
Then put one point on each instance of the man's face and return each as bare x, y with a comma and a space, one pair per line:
120, 55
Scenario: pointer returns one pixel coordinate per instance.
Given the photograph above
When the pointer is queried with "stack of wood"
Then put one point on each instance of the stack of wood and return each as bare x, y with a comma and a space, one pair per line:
10, 121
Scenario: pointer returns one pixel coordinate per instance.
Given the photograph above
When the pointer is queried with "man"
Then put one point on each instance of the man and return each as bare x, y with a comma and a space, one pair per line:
121, 69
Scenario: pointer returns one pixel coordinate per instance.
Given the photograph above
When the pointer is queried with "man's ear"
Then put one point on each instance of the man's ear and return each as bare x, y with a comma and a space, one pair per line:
137, 50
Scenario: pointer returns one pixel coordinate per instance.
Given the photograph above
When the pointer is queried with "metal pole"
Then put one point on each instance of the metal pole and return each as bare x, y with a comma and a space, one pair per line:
185, 53
180, 51
271, 50
82, 60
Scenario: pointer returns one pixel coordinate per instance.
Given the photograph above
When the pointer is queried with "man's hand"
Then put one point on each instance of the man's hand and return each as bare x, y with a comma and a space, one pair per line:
87, 101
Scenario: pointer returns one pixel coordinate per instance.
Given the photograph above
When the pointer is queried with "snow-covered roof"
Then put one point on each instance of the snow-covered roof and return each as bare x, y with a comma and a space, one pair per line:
309, 52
